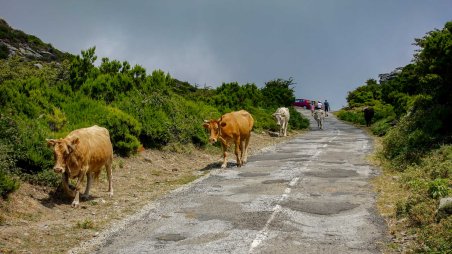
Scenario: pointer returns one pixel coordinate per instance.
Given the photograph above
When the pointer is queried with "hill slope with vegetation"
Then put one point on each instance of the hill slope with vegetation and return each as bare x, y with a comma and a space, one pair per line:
413, 112
49, 97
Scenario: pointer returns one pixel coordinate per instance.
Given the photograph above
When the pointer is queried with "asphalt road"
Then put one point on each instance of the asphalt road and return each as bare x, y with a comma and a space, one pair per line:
309, 195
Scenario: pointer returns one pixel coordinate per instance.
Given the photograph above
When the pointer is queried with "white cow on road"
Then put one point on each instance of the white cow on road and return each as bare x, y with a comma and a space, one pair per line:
282, 117
319, 116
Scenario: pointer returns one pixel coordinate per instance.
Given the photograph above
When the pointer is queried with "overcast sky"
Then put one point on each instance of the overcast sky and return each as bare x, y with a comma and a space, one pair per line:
329, 47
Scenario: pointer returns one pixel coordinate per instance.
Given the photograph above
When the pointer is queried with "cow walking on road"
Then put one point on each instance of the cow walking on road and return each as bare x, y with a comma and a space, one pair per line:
319, 116
83, 152
282, 117
232, 127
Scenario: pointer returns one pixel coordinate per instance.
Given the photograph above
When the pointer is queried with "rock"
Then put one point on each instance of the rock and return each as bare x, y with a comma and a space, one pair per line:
444, 208
38, 65
273, 134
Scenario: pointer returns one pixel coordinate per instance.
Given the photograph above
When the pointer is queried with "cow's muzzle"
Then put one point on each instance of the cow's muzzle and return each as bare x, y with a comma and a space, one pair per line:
58, 169
212, 140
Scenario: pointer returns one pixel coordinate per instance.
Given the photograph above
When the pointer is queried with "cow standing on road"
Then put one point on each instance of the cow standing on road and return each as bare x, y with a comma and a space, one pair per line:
83, 152
319, 116
368, 115
282, 117
232, 127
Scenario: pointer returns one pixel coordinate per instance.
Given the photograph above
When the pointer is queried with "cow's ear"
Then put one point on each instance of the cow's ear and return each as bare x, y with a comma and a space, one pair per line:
51, 142
205, 125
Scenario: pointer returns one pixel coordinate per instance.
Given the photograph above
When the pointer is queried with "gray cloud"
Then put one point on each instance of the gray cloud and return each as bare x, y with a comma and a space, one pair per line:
329, 47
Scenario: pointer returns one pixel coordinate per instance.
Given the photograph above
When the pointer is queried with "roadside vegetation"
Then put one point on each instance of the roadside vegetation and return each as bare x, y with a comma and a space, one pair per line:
42, 99
413, 113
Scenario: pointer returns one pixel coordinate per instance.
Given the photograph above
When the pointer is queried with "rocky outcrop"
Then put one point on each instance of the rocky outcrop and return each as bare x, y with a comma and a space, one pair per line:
17, 43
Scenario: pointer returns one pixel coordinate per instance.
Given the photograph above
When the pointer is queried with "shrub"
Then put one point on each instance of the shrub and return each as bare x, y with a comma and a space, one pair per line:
353, 116
415, 134
380, 128
263, 119
422, 213
4, 51
438, 188
124, 130
297, 121
436, 237
8, 184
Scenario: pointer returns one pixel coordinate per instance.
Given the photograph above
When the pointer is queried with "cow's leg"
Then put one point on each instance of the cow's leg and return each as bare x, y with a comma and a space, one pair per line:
109, 177
242, 144
78, 186
65, 185
237, 151
285, 129
89, 178
225, 162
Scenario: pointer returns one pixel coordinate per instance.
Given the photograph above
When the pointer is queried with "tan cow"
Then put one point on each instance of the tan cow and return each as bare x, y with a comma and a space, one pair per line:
234, 126
83, 152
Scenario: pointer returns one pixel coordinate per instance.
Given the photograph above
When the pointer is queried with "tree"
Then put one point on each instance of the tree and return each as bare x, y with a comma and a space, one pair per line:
82, 67
434, 64
278, 92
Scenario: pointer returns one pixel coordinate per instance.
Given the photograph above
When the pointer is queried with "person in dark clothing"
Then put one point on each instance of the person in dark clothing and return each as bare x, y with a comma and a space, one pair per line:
327, 106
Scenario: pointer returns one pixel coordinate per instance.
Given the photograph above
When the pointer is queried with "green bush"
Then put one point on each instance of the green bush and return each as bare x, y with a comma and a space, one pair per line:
436, 237
380, 128
415, 134
353, 116
438, 188
263, 119
297, 121
124, 131
8, 184
4, 51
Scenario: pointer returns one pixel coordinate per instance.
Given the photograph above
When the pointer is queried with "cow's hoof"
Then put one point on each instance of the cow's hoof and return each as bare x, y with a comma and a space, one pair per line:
110, 194
223, 166
75, 204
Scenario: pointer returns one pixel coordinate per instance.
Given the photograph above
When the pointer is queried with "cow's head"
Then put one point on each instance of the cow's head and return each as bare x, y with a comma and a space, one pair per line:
213, 126
62, 149
278, 117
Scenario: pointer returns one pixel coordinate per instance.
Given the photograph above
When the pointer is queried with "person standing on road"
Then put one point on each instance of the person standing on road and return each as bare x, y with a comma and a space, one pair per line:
327, 107
319, 105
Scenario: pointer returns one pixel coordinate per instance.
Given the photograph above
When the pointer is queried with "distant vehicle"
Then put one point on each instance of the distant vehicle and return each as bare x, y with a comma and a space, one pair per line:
302, 103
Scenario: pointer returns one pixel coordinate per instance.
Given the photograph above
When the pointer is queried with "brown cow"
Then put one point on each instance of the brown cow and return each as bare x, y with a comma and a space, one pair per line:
83, 152
234, 126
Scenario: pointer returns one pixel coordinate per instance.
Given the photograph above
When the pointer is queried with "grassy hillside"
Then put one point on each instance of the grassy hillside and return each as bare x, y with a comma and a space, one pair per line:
413, 112
42, 99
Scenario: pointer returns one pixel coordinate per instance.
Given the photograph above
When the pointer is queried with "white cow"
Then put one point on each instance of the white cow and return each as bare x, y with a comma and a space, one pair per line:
319, 116
282, 117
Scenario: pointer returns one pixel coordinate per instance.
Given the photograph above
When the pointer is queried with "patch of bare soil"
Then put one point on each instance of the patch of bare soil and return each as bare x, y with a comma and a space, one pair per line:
39, 219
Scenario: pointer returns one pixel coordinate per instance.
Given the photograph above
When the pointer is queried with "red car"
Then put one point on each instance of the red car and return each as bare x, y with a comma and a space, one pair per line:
302, 103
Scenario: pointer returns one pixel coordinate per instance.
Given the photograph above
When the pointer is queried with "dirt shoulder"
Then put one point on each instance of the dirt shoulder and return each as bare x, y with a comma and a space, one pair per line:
38, 219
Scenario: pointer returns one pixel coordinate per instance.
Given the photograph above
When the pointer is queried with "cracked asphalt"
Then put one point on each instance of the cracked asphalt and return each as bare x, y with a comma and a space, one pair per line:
309, 195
